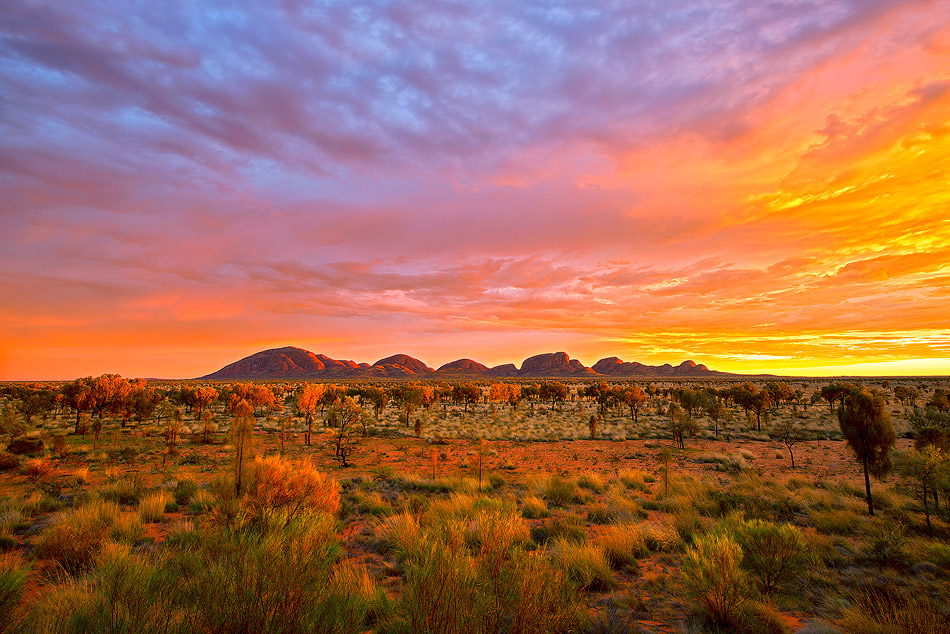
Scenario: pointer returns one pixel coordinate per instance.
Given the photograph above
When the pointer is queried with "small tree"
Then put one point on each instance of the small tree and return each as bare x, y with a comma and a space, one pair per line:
926, 466
866, 426
307, 401
716, 411
634, 398
347, 415
790, 434
242, 429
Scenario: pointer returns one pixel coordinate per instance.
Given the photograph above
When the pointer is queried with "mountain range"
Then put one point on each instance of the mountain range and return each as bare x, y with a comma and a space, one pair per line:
295, 363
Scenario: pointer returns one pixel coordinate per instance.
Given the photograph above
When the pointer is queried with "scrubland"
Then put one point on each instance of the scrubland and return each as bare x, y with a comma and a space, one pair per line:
477, 517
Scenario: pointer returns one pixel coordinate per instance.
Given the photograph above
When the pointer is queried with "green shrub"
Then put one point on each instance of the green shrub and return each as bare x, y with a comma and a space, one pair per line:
152, 506
876, 612
715, 579
561, 492
201, 501
77, 537
586, 565
623, 545
599, 514
887, 544
184, 489
12, 579
452, 590
660, 537
592, 482
773, 553
126, 491
566, 527
533, 508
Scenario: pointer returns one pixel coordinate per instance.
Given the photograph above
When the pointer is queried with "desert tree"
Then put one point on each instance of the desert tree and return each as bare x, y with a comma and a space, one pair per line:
940, 400
680, 424
927, 468
242, 429
554, 391
790, 434
690, 400
761, 402
466, 394
906, 394
343, 440
408, 397
103, 391
716, 411
203, 397
866, 425
634, 398
307, 400
77, 395
376, 397
34, 401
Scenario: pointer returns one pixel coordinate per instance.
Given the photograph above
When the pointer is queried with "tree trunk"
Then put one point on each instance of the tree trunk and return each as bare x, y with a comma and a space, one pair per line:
867, 487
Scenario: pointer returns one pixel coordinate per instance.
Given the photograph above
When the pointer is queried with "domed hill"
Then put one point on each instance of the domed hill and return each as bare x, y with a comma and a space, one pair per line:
614, 366
463, 366
554, 364
505, 370
400, 365
287, 362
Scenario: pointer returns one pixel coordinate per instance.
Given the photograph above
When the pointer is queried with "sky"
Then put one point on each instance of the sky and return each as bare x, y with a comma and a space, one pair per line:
758, 186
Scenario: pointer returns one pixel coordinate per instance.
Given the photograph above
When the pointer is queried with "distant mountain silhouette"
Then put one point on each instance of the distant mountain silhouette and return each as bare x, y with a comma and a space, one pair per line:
295, 363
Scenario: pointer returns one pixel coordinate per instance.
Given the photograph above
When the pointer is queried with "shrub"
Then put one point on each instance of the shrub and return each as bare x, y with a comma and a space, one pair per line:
285, 489
599, 514
773, 553
201, 501
875, 611
36, 467
533, 507
623, 545
76, 537
565, 527
561, 492
128, 528
586, 565
636, 480
184, 489
841, 522
279, 580
12, 579
714, 577
27, 446
126, 491
123, 593
451, 590
592, 482
887, 545
661, 537
152, 507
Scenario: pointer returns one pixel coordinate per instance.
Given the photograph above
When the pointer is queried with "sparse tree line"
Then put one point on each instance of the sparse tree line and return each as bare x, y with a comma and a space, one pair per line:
344, 411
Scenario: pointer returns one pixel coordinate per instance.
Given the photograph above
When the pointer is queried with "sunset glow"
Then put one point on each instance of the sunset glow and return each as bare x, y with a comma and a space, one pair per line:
759, 187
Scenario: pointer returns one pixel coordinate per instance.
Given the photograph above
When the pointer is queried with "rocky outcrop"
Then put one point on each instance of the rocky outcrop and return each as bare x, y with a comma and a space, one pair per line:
400, 364
295, 363
505, 370
463, 366
554, 364
285, 363
614, 366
